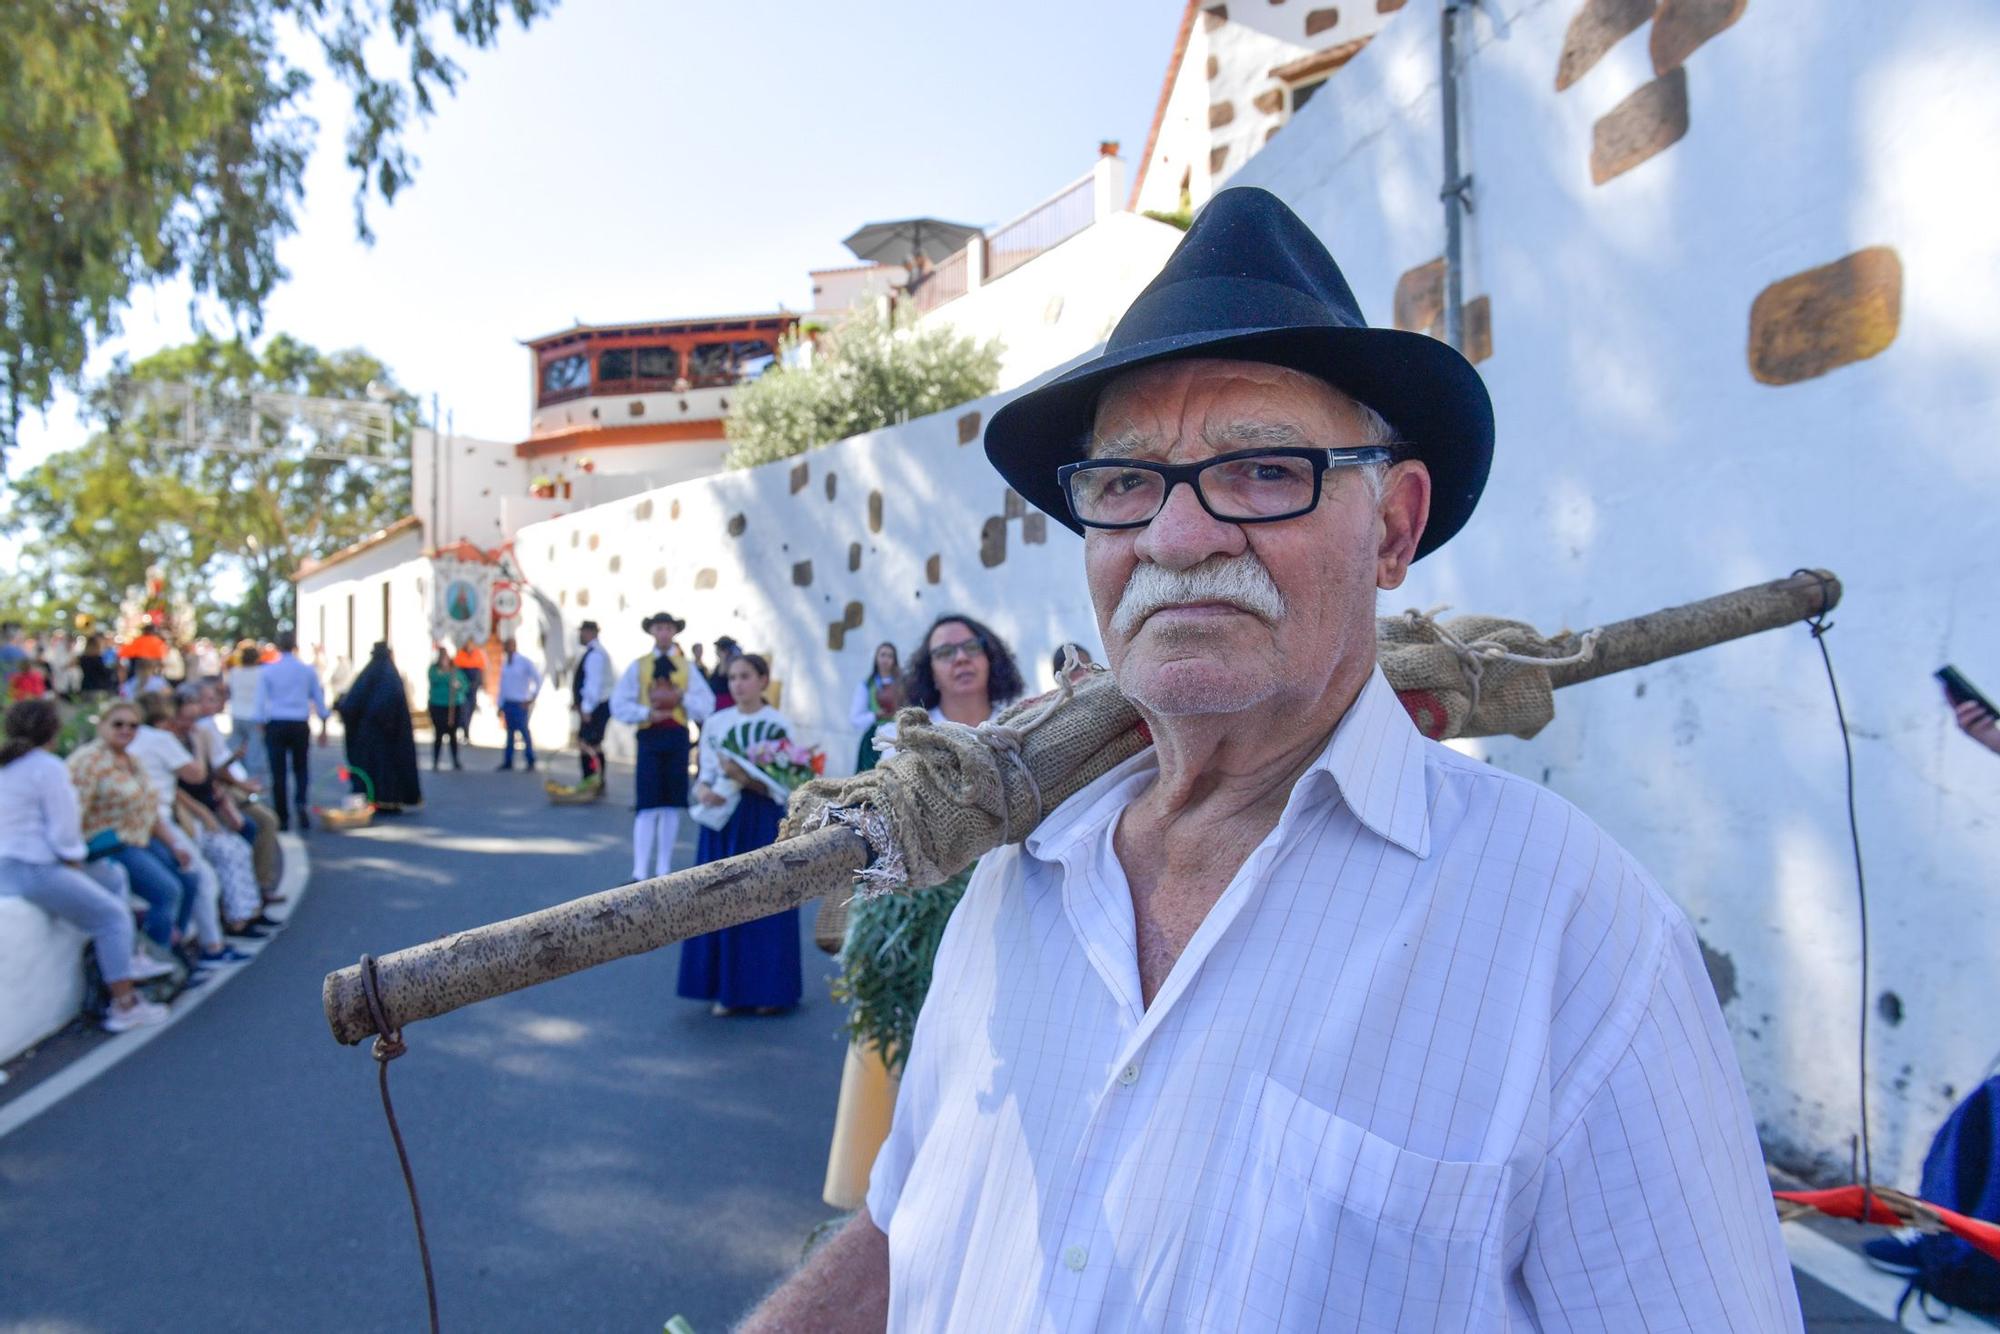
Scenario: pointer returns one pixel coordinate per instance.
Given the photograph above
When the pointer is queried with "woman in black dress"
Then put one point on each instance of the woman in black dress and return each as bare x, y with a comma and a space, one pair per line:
375, 712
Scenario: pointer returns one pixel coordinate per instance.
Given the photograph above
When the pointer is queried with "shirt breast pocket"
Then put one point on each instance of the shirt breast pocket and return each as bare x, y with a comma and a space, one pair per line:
1336, 1228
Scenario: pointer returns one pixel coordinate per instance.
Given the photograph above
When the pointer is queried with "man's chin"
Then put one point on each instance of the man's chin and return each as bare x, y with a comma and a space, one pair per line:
1190, 687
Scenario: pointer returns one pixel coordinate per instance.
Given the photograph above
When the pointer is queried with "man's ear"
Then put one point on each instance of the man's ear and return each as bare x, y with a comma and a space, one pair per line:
1405, 509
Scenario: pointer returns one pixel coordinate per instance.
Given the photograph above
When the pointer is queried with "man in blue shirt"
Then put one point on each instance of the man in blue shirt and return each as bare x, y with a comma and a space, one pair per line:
288, 696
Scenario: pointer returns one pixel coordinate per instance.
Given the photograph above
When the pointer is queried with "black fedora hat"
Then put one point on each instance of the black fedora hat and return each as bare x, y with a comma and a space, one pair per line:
667, 616
1250, 282
591, 626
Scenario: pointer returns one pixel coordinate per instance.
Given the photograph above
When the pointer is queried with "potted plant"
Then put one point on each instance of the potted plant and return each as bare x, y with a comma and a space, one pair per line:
542, 487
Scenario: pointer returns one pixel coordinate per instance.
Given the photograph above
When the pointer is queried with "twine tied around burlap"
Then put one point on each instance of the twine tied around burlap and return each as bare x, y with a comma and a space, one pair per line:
956, 792
1474, 675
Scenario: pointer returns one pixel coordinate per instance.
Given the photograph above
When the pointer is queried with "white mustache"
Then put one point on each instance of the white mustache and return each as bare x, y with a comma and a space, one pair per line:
1241, 581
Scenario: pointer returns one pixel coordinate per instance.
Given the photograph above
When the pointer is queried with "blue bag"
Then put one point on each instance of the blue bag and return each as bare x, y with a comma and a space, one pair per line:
1962, 1173
101, 844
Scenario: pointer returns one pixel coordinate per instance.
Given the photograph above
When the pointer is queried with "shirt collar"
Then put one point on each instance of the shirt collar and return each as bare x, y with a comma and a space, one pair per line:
1375, 760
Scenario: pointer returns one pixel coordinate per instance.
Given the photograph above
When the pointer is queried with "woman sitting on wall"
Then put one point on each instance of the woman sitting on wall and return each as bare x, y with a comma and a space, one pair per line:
42, 860
121, 818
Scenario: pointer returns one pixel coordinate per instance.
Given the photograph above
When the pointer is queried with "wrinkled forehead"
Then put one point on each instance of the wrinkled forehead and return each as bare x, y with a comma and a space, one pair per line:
1207, 405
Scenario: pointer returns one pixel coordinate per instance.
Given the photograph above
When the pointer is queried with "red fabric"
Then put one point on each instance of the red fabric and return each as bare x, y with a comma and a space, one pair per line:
145, 646
28, 685
1845, 1202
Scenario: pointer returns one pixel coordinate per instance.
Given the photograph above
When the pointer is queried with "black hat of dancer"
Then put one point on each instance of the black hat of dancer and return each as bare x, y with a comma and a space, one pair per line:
591, 626
658, 616
1250, 282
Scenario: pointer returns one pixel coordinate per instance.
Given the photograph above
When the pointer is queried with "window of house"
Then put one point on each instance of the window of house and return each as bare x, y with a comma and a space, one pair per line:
564, 374
658, 363
711, 363
753, 358
615, 364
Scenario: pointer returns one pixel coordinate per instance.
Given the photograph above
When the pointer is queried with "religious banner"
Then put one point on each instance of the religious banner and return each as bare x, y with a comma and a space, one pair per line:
461, 611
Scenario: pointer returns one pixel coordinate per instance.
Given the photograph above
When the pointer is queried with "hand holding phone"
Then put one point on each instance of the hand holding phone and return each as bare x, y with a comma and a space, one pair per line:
1977, 717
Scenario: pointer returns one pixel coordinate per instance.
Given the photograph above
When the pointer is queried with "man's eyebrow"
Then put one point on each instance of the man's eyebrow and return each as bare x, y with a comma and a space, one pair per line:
1253, 435
1124, 445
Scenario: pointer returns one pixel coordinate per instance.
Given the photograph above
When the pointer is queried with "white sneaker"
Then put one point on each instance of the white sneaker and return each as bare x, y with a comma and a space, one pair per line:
139, 1014
145, 967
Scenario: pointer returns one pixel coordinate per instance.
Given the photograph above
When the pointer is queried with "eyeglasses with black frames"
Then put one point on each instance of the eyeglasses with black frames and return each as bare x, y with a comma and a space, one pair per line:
964, 648
1248, 486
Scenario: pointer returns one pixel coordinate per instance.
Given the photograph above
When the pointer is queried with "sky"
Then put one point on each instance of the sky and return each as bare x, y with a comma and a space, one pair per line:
634, 159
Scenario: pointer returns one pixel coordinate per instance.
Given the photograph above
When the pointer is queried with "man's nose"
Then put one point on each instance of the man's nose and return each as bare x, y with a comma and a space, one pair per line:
1183, 534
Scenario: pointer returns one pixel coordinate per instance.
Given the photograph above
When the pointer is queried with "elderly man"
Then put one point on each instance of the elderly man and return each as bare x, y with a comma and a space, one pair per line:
1297, 1020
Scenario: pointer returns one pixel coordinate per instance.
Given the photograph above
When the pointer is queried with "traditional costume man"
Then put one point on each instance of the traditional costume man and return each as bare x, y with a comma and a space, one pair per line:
591, 694
1296, 1020
660, 696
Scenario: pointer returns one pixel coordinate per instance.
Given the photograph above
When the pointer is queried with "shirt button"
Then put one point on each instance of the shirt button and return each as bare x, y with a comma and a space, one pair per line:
1129, 1075
1076, 1258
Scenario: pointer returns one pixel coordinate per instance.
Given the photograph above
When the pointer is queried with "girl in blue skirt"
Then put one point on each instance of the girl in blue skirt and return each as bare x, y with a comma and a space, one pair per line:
753, 967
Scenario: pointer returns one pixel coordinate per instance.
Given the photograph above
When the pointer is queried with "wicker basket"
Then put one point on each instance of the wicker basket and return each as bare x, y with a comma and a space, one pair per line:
583, 794
356, 811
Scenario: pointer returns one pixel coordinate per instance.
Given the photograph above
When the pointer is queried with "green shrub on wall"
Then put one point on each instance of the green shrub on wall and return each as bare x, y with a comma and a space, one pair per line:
861, 376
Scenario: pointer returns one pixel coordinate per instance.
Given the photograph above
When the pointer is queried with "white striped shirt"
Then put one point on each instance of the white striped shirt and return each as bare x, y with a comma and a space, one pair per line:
1441, 1057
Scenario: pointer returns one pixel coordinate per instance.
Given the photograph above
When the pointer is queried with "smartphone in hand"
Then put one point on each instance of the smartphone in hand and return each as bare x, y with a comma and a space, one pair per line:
1961, 691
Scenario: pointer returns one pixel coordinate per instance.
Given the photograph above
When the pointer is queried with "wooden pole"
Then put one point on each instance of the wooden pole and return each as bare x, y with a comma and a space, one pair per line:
454, 971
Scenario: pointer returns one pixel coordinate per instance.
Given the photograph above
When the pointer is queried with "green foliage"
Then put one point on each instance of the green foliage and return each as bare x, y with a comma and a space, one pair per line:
885, 964
144, 141
1182, 217
864, 376
96, 517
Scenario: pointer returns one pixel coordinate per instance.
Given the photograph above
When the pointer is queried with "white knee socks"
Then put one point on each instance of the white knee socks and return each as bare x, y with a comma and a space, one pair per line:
653, 835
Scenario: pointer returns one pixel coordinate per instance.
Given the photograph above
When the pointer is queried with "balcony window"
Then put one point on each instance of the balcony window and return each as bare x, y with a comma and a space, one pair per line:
727, 363
565, 377
658, 363
614, 365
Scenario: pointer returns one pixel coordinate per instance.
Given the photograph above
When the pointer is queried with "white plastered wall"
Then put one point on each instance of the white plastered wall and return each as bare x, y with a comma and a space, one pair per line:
1640, 465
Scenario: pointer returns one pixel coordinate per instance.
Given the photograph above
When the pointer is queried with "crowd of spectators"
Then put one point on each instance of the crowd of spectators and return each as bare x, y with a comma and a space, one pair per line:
126, 810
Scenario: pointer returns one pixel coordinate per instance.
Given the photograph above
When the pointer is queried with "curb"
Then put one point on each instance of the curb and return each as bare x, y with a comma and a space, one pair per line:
39, 1099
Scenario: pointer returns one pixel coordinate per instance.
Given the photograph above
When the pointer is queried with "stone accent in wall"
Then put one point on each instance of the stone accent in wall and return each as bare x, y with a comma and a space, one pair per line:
832, 485
801, 474
575, 538
562, 597
1683, 25
802, 574
874, 511
1419, 304
1217, 157
660, 577
1270, 102
1388, 6
1220, 114
737, 523
1011, 504
643, 510
583, 597
616, 563
593, 541
836, 636
993, 541
674, 510
1319, 20
1478, 330
1803, 326
1651, 120
704, 579
968, 428
1035, 528
933, 568
1214, 67
853, 557
852, 615
1214, 18
1597, 27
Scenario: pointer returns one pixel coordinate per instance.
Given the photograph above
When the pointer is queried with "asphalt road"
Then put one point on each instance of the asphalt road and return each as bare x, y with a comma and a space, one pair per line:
595, 1154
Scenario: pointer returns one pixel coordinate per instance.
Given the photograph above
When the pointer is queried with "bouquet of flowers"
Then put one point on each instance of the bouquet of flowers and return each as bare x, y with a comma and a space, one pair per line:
769, 754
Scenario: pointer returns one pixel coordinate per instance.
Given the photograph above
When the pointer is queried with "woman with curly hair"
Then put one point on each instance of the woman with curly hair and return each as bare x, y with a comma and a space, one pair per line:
963, 673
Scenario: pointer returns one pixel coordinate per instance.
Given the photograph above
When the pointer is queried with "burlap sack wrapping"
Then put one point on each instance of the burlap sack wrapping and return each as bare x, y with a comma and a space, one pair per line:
951, 793
1471, 675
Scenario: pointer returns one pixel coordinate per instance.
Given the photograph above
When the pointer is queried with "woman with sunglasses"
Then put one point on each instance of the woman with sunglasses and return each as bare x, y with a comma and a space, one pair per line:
963, 673
121, 818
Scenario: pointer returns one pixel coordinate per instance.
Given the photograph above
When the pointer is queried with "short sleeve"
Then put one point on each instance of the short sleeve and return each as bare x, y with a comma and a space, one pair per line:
1655, 1211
